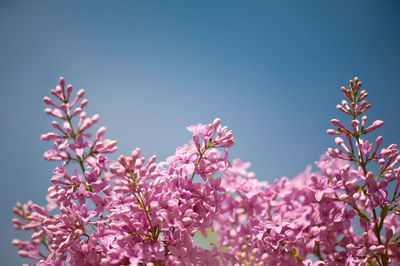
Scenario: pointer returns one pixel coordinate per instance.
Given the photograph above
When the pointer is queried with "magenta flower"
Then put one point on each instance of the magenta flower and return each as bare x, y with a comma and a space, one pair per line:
137, 211
79, 146
320, 186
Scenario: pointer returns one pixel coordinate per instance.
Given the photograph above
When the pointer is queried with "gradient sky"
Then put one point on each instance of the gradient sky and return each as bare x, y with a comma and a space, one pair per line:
272, 71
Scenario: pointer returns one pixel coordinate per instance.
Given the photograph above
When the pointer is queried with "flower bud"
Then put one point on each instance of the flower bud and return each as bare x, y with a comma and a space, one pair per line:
377, 124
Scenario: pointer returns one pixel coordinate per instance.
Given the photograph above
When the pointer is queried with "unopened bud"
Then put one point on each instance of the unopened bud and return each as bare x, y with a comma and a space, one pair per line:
377, 124
136, 154
363, 95
340, 108
69, 91
345, 104
47, 100
339, 141
84, 103
355, 124
216, 123
351, 83
95, 118
100, 133
122, 161
359, 84
378, 143
61, 81
80, 93
76, 112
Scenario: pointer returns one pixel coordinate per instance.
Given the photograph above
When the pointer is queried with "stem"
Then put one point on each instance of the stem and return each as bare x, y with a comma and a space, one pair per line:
78, 158
197, 164
154, 233
43, 241
209, 145
318, 251
296, 255
361, 162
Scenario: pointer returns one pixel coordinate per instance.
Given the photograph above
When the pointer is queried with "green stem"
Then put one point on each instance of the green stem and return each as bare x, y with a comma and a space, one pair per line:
154, 233
78, 158
210, 144
377, 228
43, 241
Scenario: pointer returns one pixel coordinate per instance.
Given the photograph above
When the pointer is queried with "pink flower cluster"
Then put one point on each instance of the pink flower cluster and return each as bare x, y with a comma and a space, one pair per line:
135, 211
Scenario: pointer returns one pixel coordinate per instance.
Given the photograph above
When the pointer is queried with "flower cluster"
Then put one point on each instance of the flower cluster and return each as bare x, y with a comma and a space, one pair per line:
342, 214
134, 211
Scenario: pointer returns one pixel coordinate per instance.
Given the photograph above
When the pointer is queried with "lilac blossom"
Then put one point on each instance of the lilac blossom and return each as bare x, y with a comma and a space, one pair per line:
138, 211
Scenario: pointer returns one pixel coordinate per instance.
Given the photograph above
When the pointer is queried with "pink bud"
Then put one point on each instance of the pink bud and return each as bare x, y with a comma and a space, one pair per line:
340, 108
16, 242
26, 254
40, 210
76, 112
84, 103
62, 82
363, 121
56, 125
152, 160
79, 96
370, 175
48, 111
216, 123
56, 112
187, 221
59, 90
196, 140
377, 249
95, 118
111, 144
47, 100
337, 123
83, 115
136, 154
69, 91
333, 132
363, 104
378, 143
50, 102
100, 133
152, 167
80, 93
139, 163
351, 247
345, 104
50, 136
339, 141
154, 205
355, 124
377, 124
363, 95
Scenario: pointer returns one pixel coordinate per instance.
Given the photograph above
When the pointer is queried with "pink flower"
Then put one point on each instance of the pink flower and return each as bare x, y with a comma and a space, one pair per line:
138, 211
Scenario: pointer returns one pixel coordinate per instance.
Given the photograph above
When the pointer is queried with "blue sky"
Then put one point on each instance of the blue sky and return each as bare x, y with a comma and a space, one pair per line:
271, 70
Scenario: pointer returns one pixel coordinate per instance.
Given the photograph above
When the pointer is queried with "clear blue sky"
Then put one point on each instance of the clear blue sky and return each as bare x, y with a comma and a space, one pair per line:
271, 71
